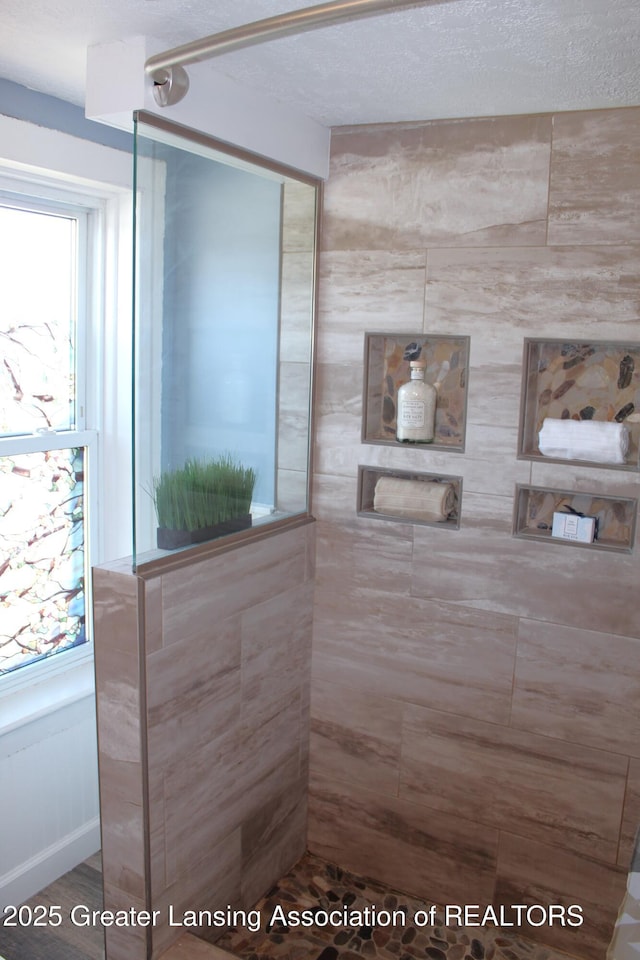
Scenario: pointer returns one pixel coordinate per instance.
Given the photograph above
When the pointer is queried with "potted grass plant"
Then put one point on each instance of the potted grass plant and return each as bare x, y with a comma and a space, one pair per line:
202, 500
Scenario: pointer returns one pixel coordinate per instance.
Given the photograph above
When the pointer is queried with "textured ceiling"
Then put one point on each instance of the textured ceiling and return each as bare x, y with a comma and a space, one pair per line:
451, 58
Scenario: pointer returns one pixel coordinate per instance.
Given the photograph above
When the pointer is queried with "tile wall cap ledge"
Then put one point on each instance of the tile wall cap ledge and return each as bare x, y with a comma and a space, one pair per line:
158, 566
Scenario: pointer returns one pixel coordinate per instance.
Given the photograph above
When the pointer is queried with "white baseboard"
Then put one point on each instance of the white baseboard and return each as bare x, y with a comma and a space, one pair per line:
30, 877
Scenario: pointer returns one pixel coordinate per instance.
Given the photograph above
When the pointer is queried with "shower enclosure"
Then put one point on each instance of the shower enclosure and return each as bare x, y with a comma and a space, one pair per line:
203, 652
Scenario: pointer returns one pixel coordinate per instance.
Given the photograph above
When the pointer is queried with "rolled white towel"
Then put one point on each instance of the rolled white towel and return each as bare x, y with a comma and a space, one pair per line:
417, 499
596, 440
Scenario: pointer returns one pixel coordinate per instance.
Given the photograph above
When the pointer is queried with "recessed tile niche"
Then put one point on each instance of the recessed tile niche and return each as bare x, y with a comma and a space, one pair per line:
579, 380
535, 506
386, 367
440, 493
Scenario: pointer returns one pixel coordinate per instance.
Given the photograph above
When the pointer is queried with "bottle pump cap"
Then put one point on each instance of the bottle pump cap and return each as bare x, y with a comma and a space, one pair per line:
418, 363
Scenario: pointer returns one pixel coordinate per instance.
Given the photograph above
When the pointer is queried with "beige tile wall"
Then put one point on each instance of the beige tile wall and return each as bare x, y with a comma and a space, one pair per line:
121, 760
203, 677
296, 334
476, 698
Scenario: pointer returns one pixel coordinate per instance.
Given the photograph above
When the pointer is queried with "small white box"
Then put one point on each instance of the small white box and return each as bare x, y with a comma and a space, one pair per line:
569, 526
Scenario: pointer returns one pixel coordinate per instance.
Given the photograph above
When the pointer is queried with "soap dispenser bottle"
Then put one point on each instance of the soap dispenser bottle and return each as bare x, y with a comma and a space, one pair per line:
415, 422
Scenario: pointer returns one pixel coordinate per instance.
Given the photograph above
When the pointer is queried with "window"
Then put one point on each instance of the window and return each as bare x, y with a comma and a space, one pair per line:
45, 451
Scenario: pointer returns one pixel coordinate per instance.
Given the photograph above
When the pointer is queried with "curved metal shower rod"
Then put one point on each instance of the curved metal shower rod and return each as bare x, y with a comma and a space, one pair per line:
171, 81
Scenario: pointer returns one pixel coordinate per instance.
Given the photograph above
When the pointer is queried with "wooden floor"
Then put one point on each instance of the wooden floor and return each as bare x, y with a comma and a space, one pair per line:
68, 941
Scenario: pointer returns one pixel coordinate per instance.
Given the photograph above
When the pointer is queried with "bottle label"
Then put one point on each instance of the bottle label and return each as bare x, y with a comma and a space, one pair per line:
411, 413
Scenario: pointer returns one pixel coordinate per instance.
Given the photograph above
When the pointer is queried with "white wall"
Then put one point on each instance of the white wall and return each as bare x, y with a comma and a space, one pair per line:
49, 811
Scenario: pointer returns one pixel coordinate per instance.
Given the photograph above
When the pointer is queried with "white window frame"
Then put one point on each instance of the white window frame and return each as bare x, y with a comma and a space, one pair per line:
60, 168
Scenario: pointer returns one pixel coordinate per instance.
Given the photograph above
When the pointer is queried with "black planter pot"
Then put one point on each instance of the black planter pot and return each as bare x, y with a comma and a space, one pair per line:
173, 539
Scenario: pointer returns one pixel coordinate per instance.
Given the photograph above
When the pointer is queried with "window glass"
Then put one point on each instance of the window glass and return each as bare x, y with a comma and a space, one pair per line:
37, 294
42, 550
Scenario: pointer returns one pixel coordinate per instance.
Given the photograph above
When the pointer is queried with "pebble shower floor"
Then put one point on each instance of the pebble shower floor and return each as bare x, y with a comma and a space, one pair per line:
316, 885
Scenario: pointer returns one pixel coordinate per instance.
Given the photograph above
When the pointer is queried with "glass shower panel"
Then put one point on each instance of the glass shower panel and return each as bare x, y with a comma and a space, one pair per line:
224, 294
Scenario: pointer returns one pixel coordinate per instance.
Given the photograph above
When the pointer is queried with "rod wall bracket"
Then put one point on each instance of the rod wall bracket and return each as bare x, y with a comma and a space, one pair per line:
170, 85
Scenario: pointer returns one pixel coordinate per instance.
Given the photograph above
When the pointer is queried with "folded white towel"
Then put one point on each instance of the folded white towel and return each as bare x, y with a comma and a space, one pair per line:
416, 499
596, 440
